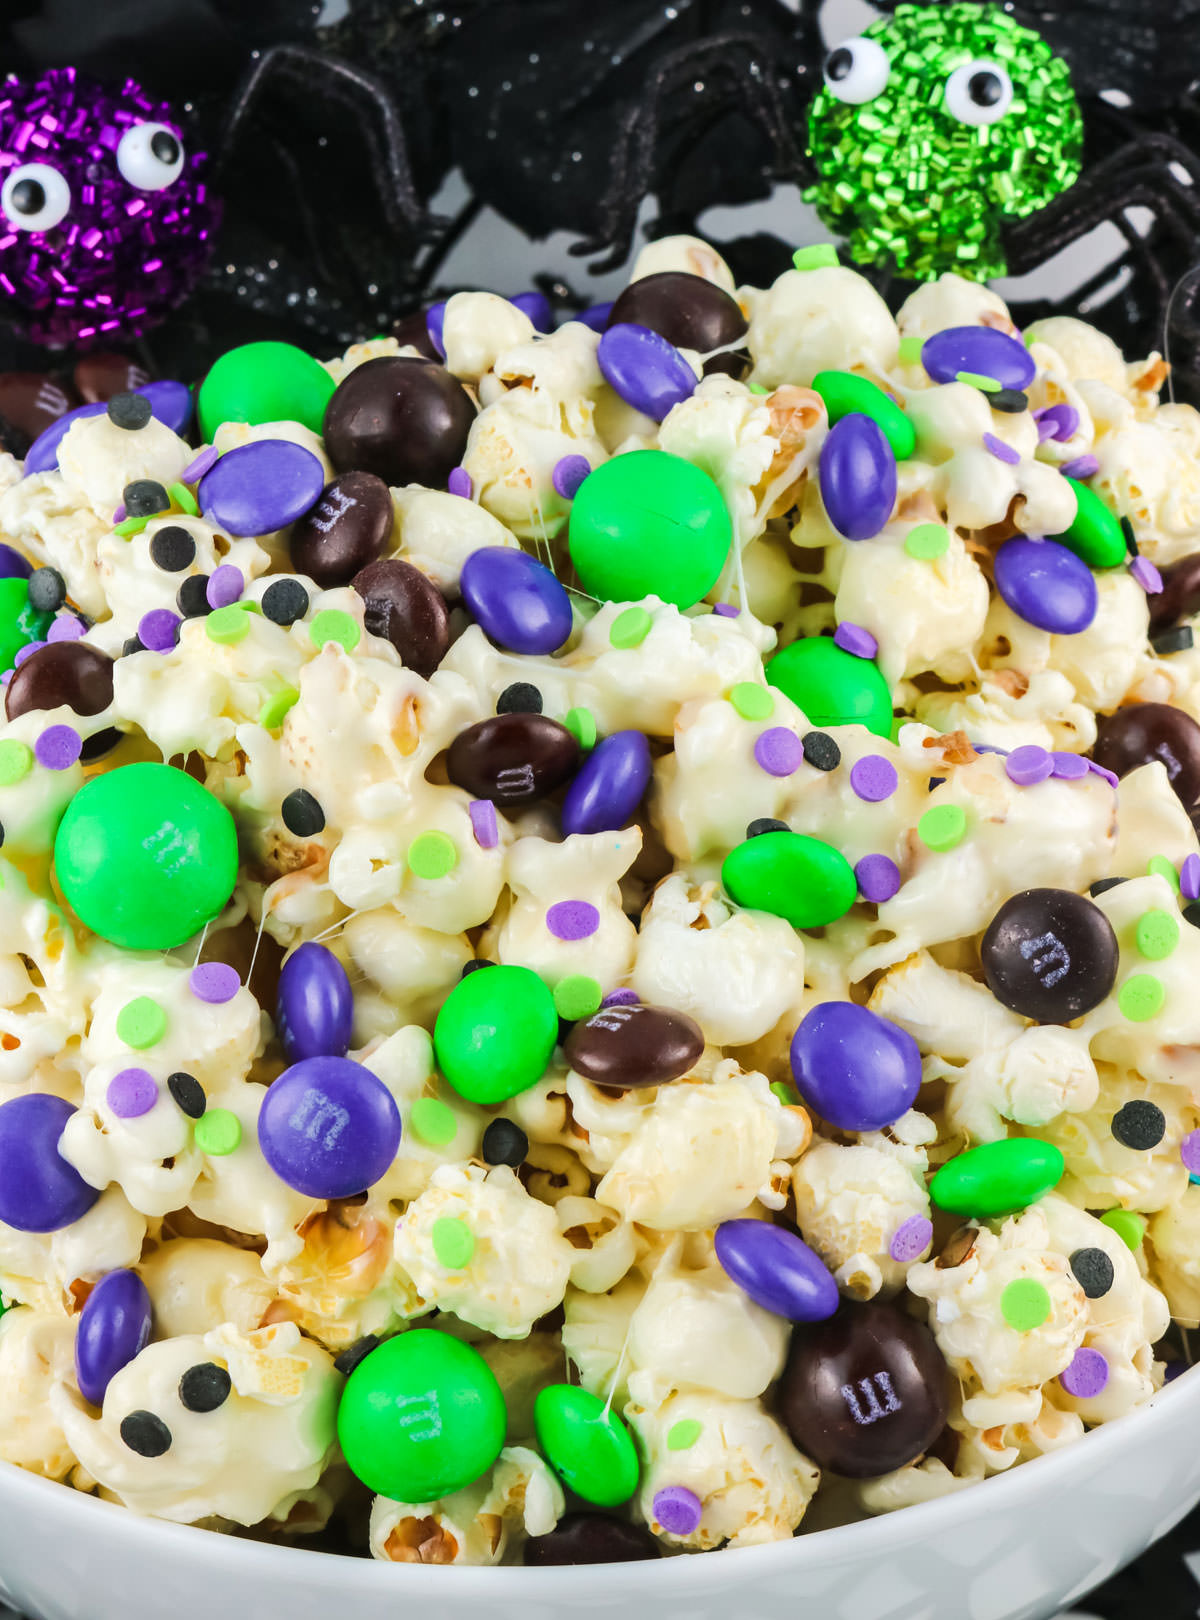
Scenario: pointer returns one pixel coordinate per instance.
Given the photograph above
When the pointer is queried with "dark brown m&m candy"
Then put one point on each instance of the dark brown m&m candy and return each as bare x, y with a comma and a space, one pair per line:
348, 528
61, 672
1049, 954
512, 759
623, 1046
412, 332
99, 376
1180, 594
689, 312
864, 1392
591, 1538
1145, 732
406, 420
405, 607
30, 403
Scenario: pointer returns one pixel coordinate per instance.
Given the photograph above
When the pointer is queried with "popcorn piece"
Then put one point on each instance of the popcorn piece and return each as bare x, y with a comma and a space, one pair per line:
483, 1524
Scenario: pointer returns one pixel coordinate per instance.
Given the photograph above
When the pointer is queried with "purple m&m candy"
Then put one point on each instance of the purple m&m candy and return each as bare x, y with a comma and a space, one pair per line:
261, 487
114, 1326
39, 1190
644, 369
979, 349
1046, 585
858, 1070
14, 566
328, 1127
537, 306
595, 316
858, 476
516, 600
777, 1269
314, 1010
435, 325
42, 455
609, 786
171, 402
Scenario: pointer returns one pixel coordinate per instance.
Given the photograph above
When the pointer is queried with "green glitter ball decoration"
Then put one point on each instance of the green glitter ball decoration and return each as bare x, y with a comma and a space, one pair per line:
906, 175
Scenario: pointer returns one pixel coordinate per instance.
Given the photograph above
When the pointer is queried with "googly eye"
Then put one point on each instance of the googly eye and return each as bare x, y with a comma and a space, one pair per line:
857, 70
35, 197
150, 157
978, 93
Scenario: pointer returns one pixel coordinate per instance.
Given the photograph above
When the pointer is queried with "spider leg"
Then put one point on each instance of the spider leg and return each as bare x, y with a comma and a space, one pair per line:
744, 78
1159, 174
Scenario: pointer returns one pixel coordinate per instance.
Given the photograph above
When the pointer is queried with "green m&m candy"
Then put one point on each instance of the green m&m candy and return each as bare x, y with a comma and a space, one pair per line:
264, 382
19, 622
421, 1416
495, 1033
590, 1449
649, 524
146, 856
1094, 534
831, 686
997, 1178
845, 394
791, 875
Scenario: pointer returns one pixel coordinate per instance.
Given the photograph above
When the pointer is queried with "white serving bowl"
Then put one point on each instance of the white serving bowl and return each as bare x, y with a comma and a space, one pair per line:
1015, 1548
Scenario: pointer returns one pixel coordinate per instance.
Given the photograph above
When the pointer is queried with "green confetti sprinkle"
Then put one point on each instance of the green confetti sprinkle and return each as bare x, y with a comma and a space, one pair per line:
227, 626
757, 388
1128, 1226
16, 761
131, 526
630, 629
1025, 1304
1160, 866
817, 256
581, 723
683, 1435
752, 702
942, 827
976, 379
184, 499
1157, 934
331, 624
274, 709
927, 542
217, 1132
577, 996
1141, 997
432, 855
910, 351
786, 1094
433, 1121
141, 1023
453, 1242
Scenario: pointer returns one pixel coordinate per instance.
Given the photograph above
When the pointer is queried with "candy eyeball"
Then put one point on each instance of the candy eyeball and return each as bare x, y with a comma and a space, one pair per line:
979, 92
150, 156
35, 197
857, 71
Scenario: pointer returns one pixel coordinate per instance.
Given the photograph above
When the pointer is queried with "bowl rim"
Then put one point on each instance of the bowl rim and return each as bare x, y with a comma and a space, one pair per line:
866, 1537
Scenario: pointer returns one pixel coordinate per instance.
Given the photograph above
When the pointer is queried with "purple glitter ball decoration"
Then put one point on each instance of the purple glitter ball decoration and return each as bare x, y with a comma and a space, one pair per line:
116, 234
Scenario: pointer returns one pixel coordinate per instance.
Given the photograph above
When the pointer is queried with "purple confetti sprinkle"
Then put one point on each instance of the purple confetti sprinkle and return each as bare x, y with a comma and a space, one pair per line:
1063, 421
1045, 429
1029, 764
726, 610
1189, 1152
1086, 1376
873, 778
214, 982
159, 629
569, 472
1189, 877
459, 483
1001, 451
878, 877
1081, 467
196, 469
624, 997
66, 627
1069, 767
1147, 576
131, 1093
483, 823
6, 677
572, 919
435, 320
852, 638
678, 1510
911, 1239
1102, 771
779, 751
119, 515
224, 588
58, 747
991, 748
27, 651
